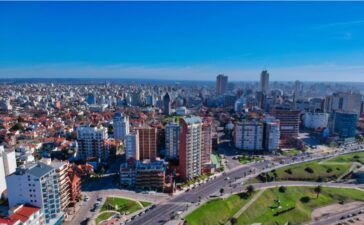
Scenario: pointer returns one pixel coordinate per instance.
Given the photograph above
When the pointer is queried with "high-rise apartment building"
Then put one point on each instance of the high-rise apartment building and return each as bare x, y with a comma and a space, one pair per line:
7, 166
206, 142
9, 160
190, 147
2, 177
344, 102
148, 175
147, 142
221, 84
63, 183
132, 145
92, 143
248, 135
272, 134
120, 126
36, 184
172, 140
289, 125
264, 82
315, 120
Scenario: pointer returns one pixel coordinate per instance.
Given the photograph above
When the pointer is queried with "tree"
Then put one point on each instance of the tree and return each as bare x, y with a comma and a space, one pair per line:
289, 171
309, 170
250, 189
20, 119
318, 190
233, 221
222, 191
282, 189
16, 127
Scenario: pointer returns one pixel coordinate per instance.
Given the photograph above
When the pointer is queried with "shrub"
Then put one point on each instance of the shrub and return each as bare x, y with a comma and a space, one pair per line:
329, 170
282, 189
289, 171
309, 170
305, 199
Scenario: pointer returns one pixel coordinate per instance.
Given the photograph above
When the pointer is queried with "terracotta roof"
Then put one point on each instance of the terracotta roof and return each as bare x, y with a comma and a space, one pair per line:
22, 213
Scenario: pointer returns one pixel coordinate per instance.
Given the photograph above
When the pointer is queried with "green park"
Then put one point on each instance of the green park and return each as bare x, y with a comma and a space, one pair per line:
273, 206
116, 205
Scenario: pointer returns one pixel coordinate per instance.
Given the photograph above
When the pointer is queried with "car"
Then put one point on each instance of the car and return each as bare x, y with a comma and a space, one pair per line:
99, 199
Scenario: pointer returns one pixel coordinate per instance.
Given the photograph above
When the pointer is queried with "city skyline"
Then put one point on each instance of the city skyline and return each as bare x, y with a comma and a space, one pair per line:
147, 40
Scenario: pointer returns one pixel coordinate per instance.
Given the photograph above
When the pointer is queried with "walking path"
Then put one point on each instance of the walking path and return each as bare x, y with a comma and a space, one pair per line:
245, 207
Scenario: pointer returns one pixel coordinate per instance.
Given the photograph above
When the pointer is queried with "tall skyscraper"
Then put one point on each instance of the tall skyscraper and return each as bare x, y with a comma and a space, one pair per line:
264, 82
147, 142
132, 145
92, 143
172, 140
91, 99
166, 104
221, 84
36, 184
120, 126
345, 124
190, 147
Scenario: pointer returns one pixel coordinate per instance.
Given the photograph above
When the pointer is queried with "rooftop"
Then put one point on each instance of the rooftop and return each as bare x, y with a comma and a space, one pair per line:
36, 169
192, 119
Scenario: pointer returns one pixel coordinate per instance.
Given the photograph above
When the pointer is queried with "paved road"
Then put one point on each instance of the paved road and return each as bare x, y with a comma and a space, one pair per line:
334, 219
103, 187
162, 213
305, 183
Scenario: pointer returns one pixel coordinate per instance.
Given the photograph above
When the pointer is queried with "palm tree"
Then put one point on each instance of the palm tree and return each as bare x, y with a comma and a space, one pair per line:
318, 190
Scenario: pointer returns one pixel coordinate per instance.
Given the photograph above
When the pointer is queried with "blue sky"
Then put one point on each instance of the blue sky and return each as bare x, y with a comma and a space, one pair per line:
183, 40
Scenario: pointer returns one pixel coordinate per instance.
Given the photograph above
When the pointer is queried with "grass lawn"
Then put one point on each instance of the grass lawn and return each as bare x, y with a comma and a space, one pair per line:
103, 216
121, 205
217, 211
318, 171
295, 204
314, 170
348, 158
145, 204
244, 159
215, 158
291, 152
